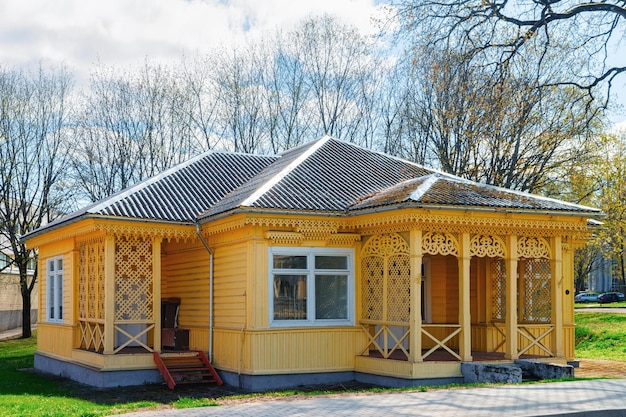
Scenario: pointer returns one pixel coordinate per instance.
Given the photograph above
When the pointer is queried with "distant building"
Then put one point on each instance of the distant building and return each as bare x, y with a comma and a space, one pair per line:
11, 297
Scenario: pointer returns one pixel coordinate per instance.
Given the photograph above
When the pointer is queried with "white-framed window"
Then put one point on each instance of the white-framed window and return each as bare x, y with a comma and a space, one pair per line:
311, 286
54, 278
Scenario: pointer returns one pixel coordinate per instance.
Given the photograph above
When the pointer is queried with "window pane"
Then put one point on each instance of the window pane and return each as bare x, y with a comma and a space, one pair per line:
290, 297
289, 262
331, 297
59, 288
60, 264
331, 262
50, 266
51, 300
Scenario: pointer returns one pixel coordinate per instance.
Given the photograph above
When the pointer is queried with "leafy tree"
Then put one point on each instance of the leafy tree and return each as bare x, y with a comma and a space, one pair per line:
612, 198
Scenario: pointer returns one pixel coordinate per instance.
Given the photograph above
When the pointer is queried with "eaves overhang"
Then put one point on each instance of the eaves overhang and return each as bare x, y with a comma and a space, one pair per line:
102, 218
483, 209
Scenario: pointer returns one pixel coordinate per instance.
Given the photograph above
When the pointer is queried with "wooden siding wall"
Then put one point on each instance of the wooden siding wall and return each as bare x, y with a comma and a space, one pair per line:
185, 274
444, 289
289, 350
65, 249
230, 269
56, 339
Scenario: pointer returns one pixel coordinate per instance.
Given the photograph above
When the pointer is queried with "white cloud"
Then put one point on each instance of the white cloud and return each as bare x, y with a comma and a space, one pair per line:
81, 32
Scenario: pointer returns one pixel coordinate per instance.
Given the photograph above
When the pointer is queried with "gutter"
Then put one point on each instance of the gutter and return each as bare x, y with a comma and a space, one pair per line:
211, 255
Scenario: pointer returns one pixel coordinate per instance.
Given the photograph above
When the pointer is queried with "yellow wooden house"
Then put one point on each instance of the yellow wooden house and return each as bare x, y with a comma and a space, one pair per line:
325, 263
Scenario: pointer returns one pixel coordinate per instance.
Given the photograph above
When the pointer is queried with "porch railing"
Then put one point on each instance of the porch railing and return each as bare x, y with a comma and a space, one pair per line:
449, 331
531, 335
387, 337
91, 334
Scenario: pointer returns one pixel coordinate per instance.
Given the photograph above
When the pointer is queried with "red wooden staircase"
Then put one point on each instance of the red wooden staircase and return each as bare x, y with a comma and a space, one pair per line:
186, 368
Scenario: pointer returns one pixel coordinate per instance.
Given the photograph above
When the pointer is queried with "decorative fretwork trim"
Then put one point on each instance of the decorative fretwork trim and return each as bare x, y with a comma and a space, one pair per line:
533, 247
89, 240
487, 246
222, 227
440, 243
343, 239
470, 224
284, 238
154, 230
387, 244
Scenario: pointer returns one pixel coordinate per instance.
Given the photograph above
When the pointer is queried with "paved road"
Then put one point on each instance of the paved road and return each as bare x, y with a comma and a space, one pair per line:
606, 398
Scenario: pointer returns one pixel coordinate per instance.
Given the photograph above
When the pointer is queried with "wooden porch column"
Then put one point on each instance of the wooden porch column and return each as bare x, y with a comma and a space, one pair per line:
109, 295
415, 321
156, 291
511, 349
557, 297
465, 343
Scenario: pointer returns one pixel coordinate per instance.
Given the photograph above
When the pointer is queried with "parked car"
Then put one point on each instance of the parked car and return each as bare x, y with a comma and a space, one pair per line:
586, 297
621, 296
608, 297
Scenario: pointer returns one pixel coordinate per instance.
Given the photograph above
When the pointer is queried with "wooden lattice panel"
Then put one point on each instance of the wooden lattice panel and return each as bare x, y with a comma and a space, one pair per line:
437, 243
82, 281
91, 280
398, 282
92, 336
372, 274
133, 279
487, 246
385, 270
91, 298
533, 247
537, 297
101, 263
498, 290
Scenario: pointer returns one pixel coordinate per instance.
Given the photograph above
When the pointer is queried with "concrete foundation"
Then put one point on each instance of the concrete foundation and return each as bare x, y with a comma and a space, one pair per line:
259, 383
94, 377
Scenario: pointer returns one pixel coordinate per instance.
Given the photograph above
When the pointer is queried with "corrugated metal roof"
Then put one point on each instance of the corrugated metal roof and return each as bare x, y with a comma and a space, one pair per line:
326, 175
447, 190
323, 175
186, 191
181, 193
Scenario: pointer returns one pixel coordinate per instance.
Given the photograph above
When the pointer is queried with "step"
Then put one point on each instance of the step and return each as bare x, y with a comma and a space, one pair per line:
192, 368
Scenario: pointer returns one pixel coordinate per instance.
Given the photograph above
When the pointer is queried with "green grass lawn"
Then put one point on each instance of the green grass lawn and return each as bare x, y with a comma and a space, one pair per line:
26, 393
601, 336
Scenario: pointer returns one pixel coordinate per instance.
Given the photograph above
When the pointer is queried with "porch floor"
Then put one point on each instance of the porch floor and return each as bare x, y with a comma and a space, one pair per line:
442, 355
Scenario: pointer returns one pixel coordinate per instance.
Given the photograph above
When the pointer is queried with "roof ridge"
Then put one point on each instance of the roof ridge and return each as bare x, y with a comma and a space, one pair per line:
419, 192
269, 184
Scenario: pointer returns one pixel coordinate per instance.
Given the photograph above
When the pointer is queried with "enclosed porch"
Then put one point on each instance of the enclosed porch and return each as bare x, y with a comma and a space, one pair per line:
431, 300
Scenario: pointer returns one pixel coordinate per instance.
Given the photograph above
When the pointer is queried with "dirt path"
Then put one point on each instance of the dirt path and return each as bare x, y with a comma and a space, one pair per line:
595, 368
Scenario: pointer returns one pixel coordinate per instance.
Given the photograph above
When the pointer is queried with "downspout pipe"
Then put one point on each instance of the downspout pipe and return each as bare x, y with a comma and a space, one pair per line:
208, 249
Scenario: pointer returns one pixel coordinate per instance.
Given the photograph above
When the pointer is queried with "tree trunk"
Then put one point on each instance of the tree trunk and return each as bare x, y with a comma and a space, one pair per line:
26, 327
